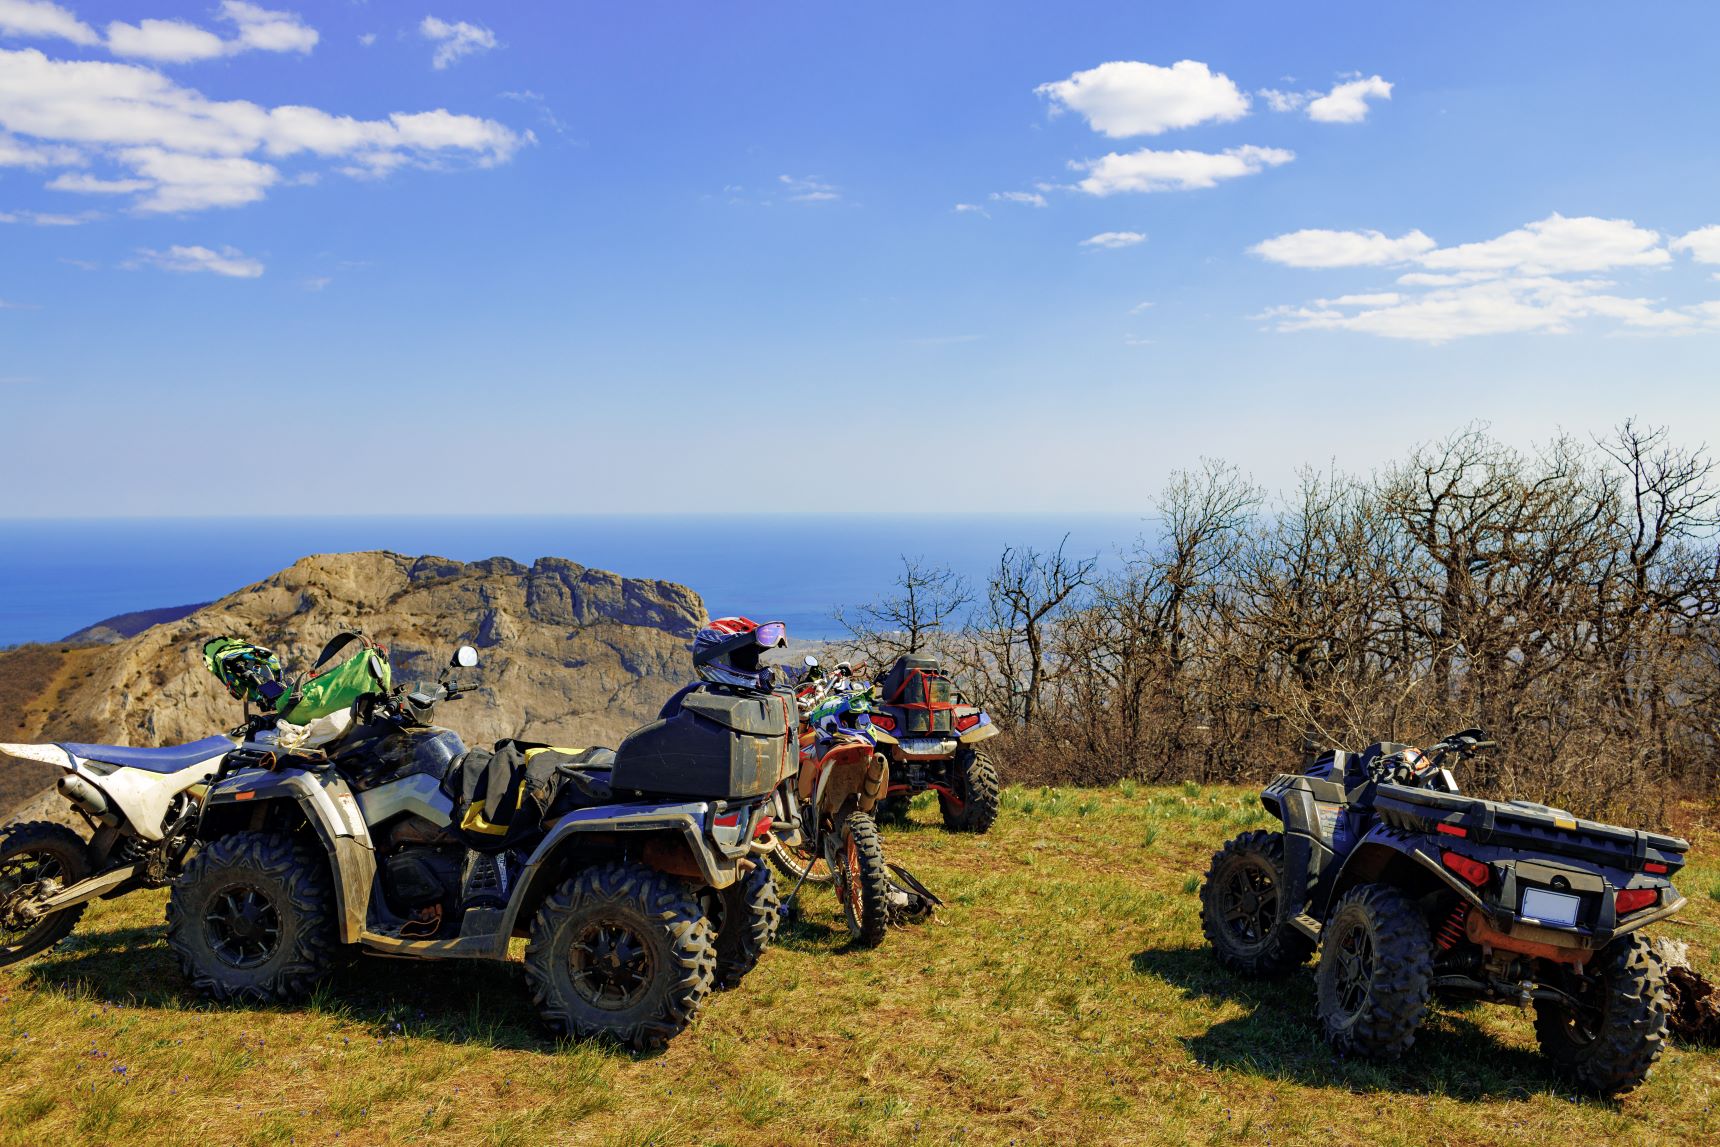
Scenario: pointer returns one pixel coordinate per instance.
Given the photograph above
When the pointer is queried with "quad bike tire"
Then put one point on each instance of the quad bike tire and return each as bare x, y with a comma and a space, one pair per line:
893, 810
252, 918
621, 950
32, 851
863, 879
1611, 1052
1376, 962
979, 790
751, 913
1246, 909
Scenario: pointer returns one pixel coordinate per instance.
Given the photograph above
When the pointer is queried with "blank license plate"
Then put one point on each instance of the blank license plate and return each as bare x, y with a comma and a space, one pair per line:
1550, 907
918, 745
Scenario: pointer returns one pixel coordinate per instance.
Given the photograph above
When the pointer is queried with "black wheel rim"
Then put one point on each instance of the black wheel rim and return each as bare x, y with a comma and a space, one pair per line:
1355, 971
612, 964
1582, 1019
1248, 902
21, 874
243, 926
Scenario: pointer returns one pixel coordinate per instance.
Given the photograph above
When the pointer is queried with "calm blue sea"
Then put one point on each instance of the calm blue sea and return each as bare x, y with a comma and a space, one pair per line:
58, 576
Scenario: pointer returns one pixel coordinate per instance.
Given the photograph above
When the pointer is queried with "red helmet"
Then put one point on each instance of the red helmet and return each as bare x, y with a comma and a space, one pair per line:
727, 650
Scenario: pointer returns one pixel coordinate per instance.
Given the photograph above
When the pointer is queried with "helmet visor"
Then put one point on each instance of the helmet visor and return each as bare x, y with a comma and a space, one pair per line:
771, 635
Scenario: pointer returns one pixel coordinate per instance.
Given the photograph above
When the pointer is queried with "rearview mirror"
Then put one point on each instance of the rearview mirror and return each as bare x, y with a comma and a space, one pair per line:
465, 657
811, 661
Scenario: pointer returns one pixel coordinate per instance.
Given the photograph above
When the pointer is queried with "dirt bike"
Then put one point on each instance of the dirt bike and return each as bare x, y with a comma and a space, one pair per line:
636, 875
839, 782
1408, 888
141, 806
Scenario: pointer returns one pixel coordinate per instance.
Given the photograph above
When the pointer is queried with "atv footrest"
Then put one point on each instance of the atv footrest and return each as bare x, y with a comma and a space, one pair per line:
1306, 925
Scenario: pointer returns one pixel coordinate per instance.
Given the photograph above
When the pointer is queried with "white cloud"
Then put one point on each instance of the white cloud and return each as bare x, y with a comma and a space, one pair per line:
1115, 239
965, 208
1140, 308
176, 41
1702, 243
1149, 170
1027, 198
1556, 245
1348, 102
455, 40
90, 185
808, 189
367, 39
268, 31
1525, 280
1285, 101
194, 152
41, 20
228, 261
19, 153
164, 41
1126, 97
1317, 248
46, 218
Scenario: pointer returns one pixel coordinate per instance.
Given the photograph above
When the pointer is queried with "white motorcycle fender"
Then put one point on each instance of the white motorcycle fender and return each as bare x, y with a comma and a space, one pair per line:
141, 796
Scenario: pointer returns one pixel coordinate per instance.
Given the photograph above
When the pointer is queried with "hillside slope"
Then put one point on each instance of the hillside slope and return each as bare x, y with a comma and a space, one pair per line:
1063, 996
571, 655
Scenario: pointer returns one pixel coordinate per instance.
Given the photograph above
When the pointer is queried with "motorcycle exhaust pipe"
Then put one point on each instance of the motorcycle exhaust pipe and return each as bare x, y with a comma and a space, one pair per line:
89, 799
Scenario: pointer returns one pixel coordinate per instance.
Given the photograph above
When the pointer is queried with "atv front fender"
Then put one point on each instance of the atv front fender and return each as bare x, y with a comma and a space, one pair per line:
288, 799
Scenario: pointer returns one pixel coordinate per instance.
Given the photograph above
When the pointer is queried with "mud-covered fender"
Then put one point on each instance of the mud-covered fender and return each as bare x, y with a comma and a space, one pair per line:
718, 862
1386, 855
1308, 851
323, 801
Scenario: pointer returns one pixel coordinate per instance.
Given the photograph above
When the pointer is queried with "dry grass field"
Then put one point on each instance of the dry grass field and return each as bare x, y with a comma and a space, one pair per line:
1063, 996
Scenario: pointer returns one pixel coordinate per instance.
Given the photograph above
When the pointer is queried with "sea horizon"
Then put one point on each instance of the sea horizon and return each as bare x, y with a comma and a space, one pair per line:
60, 575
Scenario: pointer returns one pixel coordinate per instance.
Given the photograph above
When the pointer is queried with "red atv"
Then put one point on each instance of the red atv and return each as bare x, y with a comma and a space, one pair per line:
931, 737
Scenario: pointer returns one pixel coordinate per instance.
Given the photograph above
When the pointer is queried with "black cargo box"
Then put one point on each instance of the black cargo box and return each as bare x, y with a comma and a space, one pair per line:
721, 745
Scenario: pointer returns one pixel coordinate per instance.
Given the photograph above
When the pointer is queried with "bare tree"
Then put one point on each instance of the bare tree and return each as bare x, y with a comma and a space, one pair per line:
929, 598
1026, 593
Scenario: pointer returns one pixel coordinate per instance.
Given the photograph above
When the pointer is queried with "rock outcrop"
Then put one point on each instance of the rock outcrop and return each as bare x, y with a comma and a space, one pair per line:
571, 655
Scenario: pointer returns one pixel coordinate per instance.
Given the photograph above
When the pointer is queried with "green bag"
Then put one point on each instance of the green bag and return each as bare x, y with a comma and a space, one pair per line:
325, 691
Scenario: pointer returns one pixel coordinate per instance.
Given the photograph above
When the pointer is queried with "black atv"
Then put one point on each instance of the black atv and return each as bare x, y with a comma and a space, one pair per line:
1409, 888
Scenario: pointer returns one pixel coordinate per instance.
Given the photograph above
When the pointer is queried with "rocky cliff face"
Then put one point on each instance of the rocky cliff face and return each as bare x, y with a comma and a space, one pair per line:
571, 656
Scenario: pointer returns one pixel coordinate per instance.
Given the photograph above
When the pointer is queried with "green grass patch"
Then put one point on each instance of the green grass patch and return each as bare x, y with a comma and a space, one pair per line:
1063, 995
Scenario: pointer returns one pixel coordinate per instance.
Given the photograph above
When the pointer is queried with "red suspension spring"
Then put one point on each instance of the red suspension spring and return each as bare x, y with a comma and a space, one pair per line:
1451, 932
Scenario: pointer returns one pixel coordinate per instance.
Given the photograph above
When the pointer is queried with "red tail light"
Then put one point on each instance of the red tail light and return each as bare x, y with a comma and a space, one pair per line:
963, 724
1473, 871
1631, 900
888, 724
732, 820
1655, 867
1451, 829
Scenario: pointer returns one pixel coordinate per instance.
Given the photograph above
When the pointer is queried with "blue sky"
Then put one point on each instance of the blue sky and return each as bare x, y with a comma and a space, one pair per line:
587, 257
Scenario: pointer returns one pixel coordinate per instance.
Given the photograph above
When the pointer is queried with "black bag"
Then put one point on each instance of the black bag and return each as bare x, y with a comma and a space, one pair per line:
502, 796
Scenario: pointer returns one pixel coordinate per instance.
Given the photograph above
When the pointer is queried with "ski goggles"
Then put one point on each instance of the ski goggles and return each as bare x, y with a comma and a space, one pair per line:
771, 635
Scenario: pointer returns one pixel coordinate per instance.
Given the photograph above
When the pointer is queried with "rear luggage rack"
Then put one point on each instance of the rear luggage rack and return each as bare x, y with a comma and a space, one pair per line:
1527, 827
